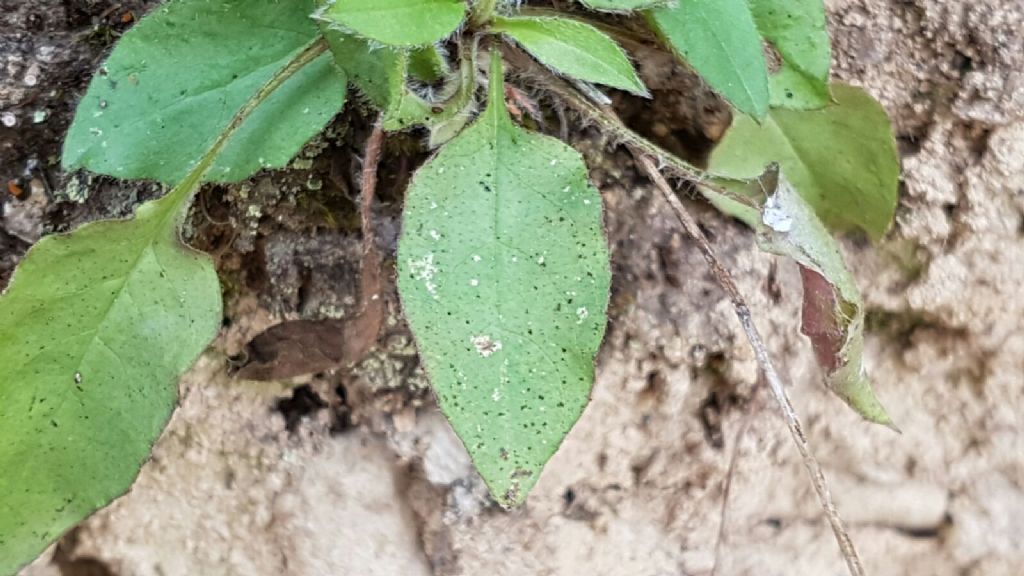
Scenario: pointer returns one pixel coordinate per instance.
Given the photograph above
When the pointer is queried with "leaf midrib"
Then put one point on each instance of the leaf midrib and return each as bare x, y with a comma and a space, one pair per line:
189, 103
551, 26
711, 30
414, 9
158, 227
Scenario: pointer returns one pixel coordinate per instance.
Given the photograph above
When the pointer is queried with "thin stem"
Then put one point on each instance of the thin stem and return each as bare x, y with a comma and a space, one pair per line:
362, 334
612, 125
368, 188
796, 430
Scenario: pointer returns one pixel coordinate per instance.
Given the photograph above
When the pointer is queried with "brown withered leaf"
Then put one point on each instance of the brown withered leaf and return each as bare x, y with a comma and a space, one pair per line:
301, 347
832, 312
309, 346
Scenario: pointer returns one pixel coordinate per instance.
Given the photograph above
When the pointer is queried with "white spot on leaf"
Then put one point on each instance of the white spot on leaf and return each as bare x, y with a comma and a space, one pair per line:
424, 269
776, 217
485, 346
582, 313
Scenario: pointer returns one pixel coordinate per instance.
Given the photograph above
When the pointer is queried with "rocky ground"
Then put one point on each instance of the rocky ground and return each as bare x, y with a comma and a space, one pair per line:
357, 473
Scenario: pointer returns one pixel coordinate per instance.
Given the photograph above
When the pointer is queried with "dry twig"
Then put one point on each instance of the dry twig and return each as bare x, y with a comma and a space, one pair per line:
753, 408
796, 430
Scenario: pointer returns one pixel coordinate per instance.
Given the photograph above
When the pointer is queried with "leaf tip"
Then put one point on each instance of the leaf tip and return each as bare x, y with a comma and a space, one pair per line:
757, 111
860, 396
511, 499
510, 491
637, 87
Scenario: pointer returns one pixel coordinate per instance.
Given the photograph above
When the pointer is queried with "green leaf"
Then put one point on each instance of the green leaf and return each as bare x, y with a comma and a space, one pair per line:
719, 39
504, 278
175, 80
427, 64
399, 22
574, 49
798, 31
381, 74
458, 109
444, 131
623, 5
833, 312
375, 71
405, 108
95, 329
842, 159
408, 109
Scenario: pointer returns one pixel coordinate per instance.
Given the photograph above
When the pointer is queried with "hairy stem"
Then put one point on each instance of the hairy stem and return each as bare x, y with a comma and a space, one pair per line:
796, 430
368, 185
365, 328
482, 12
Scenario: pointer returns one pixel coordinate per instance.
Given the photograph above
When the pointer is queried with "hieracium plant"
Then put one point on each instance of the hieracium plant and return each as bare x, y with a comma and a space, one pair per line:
502, 265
